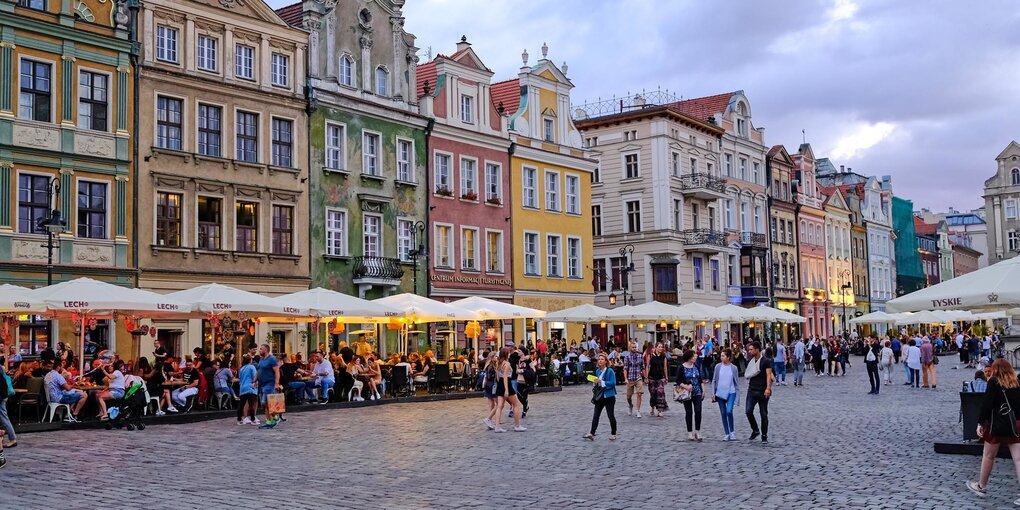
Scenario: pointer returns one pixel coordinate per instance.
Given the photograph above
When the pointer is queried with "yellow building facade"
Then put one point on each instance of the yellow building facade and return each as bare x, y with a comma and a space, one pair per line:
550, 198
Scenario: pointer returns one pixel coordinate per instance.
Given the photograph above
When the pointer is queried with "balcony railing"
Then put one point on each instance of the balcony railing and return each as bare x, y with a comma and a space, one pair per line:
703, 236
753, 239
756, 293
378, 267
702, 181
669, 297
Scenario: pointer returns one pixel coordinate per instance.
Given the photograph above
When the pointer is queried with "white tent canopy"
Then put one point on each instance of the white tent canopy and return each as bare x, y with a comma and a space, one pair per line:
987, 289
424, 309
733, 313
490, 309
19, 300
324, 303
769, 314
699, 312
650, 311
878, 317
581, 313
216, 298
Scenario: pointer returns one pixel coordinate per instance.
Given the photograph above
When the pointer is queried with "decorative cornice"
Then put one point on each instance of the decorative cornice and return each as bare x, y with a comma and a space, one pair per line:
8, 44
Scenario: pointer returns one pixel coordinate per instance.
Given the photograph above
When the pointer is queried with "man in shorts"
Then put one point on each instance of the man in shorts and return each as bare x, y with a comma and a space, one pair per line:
60, 391
633, 375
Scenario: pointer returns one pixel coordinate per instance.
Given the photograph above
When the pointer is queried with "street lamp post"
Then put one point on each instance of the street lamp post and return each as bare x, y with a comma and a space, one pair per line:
52, 224
418, 237
628, 252
845, 274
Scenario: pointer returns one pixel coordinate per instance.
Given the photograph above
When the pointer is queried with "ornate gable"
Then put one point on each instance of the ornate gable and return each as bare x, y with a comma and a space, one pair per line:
257, 9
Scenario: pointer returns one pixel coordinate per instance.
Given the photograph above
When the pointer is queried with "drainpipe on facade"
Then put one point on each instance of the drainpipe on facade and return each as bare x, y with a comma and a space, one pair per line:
133, 37
428, 208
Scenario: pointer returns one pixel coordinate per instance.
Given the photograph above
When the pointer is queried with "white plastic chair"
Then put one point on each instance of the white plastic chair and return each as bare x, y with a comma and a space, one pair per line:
51, 411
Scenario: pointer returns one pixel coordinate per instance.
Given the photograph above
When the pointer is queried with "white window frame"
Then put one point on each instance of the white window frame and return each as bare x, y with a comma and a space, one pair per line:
405, 167
379, 251
1013, 240
332, 234
626, 216
239, 62
491, 180
548, 130
106, 210
382, 87
596, 220
637, 165
348, 78
467, 108
206, 54
376, 166
164, 53
552, 193
674, 163
529, 194
335, 157
554, 258
499, 269
1010, 203
535, 264
468, 177
445, 171
441, 247
280, 70
405, 239
464, 255
78, 98
573, 205
574, 260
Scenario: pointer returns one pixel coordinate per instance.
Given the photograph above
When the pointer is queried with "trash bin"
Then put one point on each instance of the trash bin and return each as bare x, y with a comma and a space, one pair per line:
970, 406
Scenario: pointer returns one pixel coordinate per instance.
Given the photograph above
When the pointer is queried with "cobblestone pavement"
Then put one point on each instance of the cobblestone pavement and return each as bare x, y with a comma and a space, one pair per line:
832, 446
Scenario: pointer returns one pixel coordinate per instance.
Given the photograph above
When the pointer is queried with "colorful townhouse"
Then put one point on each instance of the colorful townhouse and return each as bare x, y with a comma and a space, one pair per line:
838, 264
783, 237
815, 306
550, 196
66, 150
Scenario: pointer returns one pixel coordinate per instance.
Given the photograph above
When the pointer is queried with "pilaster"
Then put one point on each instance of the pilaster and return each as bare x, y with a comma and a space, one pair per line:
67, 193
5, 194
123, 85
7, 79
68, 81
121, 197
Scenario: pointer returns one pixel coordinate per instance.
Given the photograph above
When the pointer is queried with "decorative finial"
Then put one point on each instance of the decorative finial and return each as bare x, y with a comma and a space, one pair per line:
564, 68
500, 109
524, 56
426, 88
463, 38
545, 50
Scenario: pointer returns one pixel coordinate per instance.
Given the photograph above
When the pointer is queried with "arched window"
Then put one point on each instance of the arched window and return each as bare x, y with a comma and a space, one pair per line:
1016, 176
382, 81
346, 76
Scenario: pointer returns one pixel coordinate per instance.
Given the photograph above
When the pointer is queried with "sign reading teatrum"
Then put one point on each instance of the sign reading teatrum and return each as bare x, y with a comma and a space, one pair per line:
477, 280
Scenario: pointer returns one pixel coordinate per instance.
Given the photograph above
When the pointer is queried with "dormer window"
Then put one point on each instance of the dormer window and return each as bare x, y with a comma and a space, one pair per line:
382, 81
1015, 176
549, 130
467, 109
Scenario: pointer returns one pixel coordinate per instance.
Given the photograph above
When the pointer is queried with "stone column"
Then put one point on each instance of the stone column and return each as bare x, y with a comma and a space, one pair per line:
229, 53
68, 82
366, 63
190, 43
265, 63
7, 78
331, 60
120, 220
123, 85
5, 191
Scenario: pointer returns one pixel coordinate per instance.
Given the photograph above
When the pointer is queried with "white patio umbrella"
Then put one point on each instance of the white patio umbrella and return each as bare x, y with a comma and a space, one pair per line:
422, 309
923, 317
582, 313
769, 314
490, 309
733, 313
321, 303
19, 300
651, 311
987, 289
700, 312
878, 317
85, 298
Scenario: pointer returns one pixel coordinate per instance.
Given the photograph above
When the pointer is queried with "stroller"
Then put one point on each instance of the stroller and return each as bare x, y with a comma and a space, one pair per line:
127, 412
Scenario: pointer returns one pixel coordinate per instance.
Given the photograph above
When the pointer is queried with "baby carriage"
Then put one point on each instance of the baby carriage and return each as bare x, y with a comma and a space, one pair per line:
127, 412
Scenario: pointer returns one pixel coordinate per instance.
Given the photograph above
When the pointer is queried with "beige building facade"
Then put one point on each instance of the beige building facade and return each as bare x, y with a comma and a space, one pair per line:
222, 159
1002, 200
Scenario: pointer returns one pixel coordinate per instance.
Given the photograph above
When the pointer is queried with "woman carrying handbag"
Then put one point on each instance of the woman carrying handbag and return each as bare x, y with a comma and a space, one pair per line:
604, 397
690, 394
997, 422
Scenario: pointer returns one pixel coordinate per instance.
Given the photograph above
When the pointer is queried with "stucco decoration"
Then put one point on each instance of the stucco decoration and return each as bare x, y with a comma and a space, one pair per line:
37, 136
95, 146
28, 250
120, 16
522, 127
93, 255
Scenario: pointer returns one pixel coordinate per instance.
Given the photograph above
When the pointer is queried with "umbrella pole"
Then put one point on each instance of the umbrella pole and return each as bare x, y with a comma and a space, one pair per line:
81, 344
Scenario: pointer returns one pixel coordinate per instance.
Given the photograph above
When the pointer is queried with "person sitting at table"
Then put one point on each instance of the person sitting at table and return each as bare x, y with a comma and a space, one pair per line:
422, 367
159, 354
373, 377
191, 380
324, 377
59, 391
404, 365
114, 378
23, 373
166, 373
356, 369
223, 379
290, 378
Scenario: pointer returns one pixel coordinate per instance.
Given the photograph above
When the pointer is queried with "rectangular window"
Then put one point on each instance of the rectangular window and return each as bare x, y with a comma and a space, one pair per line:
443, 186
1014, 240
573, 257
244, 62
405, 239
168, 219
34, 91
207, 53
493, 183
531, 254
619, 270
33, 202
346, 71
1011, 209
728, 168
678, 214
596, 220
382, 81
469, 249
728, 212
596, 176
630, 163
283, 230
92, 100
743, 169
246, 220
674, 164
210, 221
549, 130
573, 194
280, 70
444, 246
633, 216
714, 265
467, 109
529, 198
370, 154
552, 191
247, 136
336, 233
210, 130
552, 252
698, 272
168, 122
92, 210
755, 172
494, 251
599, 283
371, 227
283, 142
468, 179
39, 5
694, 165
405, 160
335, 146
166, 43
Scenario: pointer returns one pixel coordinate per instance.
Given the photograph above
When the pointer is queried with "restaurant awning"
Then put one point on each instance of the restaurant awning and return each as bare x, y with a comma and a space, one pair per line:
987, 289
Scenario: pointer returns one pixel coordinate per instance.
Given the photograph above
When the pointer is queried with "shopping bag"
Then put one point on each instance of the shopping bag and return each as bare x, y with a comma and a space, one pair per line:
276, 403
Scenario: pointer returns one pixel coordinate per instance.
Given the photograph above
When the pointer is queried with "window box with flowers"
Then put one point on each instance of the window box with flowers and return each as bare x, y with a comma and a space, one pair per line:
470, 195
443, 191
494, 201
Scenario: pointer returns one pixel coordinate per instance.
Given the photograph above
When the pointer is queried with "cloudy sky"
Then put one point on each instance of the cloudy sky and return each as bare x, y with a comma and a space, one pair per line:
928, 92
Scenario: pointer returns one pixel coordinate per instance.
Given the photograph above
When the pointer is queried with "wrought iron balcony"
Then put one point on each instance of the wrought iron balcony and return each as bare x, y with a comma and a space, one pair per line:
754, 293
702, 186
377, 268
703, 240
753, 239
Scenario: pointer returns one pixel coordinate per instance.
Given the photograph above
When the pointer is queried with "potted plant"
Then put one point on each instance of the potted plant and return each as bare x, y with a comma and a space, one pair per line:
470, 195
494, 201
443, 191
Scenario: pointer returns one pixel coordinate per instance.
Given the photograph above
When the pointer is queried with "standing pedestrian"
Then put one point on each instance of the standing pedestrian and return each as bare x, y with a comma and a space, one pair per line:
818, 358
505, 392
799, 350
759, 389
961, 347
912, 360
606, 378
780, 362
269, 379
885, 361
897, 348
688, 379
6, 391
656, 372
725, 391
489, 388
871, 359
634, 377
997, 422
248, 391
928, 361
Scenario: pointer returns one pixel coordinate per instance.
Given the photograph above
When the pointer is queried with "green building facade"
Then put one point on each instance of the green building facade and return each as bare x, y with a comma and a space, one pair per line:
909, 275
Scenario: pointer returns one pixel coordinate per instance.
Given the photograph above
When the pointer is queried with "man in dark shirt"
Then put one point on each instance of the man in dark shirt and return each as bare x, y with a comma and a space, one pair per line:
346, 353
158, 352
759, 389
290, 371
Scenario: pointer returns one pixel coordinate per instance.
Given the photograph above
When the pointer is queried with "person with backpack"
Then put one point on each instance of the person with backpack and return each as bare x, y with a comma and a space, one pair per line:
488, 375
604, 380
997, 422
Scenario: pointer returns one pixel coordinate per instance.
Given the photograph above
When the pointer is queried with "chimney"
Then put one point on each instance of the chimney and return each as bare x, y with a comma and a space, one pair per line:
638, 101
463, 44
849, 170
841, 169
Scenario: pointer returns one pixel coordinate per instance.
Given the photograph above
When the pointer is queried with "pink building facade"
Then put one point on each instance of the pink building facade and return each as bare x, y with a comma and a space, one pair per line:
815, 305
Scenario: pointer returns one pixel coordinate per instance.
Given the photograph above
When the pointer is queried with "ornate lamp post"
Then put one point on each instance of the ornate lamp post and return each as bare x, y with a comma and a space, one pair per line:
628, 252
418, 238
845, 276
52, 224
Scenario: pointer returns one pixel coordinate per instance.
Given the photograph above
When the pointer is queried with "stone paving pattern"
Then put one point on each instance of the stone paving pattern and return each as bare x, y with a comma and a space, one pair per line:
832, 446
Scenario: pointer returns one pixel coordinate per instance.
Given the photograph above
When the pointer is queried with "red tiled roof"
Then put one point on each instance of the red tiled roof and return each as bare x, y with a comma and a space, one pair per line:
924, 229
507, 92
425, 72
702, 107
291, 14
